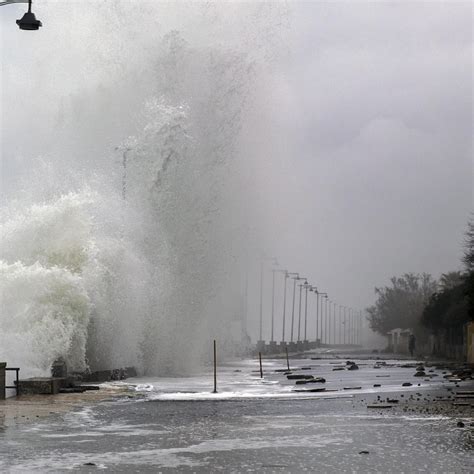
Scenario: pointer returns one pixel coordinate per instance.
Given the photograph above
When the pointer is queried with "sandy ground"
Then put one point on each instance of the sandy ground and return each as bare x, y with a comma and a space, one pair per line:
26, 408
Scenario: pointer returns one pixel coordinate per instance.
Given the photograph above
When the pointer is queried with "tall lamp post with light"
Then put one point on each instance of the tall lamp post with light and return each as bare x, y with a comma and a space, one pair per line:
299, 342
283, 325
273, 344
319, 316
261, 342
305, 340
292, 345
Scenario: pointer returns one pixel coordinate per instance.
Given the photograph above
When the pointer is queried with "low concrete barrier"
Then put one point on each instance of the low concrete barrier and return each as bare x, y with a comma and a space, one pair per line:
41, 385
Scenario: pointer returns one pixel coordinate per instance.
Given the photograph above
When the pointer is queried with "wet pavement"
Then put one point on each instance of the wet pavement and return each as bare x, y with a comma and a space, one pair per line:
254, 425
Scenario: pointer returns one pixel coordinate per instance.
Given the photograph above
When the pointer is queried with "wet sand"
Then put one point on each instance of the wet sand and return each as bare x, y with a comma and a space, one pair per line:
27, 408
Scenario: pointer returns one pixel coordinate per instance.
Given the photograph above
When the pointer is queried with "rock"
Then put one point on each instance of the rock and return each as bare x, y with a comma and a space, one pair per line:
460, 424
392, 400
377, 385
364, 452
407, 384
353, 367
338, 368
89, 464
316, 380
299, 377
72, 390
420, 373
310, 390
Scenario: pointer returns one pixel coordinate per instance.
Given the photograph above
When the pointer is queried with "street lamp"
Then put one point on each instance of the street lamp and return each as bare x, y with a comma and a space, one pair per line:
295, 278
28, 20
340, 325
298, 342
286, 276
272, 342
261, 343
318, 312
306, 287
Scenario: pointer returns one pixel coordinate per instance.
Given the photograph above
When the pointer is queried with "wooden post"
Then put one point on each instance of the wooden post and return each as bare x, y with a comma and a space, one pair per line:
261, 369
215, 368
287, 359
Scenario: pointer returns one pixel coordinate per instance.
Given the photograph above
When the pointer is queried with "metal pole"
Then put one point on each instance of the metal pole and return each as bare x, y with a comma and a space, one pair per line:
299, 314
261, 300
340, 326
344, 339
284, 308
273, 303
246, 308
331, 308
215, 368
326, 321
349, 334
261, 369
333, 322
305, 311
317, 315
293, 310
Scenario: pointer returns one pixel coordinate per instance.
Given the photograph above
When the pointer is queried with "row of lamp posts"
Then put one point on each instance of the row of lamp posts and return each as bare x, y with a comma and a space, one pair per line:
328, 313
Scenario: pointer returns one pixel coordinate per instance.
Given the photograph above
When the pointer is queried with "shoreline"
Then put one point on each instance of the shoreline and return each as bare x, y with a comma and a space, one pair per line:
439, 401
29, 408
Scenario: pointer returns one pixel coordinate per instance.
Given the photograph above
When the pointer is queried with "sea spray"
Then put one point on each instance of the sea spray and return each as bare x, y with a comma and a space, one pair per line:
62, 274
132, 192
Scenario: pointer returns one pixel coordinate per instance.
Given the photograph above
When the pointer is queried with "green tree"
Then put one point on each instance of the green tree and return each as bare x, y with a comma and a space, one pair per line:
446, 309
468, 258
469, 266
401, 305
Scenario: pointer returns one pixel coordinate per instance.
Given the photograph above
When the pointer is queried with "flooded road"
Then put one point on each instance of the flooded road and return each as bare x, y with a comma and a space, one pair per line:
255, 425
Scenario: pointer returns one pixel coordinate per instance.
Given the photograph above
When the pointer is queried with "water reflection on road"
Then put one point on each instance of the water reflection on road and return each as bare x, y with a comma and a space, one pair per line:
252, 425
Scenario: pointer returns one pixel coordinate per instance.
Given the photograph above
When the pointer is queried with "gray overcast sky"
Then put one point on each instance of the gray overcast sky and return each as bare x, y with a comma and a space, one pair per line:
364, 133
376, 177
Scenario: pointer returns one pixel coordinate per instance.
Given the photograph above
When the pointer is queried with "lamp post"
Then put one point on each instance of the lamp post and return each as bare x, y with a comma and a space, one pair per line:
299, 342
296, 278
261, 342
285, 276
273, 344
334, 322
305, 340
350, 327
28, 21
345, 327
326, 320
339, 317
328, 317
320, 315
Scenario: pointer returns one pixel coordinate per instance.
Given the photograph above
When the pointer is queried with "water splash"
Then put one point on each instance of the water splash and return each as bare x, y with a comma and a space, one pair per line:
123, 228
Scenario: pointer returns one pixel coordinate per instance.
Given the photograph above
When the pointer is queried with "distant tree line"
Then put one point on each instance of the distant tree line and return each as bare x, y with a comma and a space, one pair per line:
419, 302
